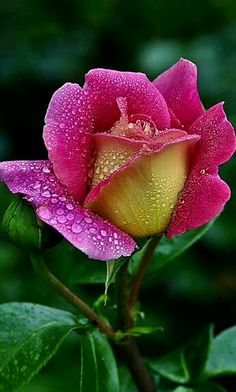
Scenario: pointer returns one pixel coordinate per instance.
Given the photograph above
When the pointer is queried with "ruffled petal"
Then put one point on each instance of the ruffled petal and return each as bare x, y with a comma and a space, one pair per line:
178, 85
217, 143
94, 236
203, 199
104, 87
67, 136
205, 194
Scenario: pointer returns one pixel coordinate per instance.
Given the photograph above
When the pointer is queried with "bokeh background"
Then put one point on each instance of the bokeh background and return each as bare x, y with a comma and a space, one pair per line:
45, 43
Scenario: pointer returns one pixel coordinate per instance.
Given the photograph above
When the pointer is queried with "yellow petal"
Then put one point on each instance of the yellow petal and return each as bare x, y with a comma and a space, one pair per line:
112, 153
141, 198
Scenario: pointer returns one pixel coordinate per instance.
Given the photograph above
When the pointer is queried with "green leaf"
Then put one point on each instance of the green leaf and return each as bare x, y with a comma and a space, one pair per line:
21, 226
222, 357
29, 336
186, 364
169, 248
126, 381
98, 367
136, 332
204, 387
112, 268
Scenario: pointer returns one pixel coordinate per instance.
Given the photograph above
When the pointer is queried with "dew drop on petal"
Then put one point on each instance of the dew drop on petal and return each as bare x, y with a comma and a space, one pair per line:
70, 216
103, 233
62, 219
76, 228
88, 220
46, 194
46, 169
92, 230
44, 213
69, 206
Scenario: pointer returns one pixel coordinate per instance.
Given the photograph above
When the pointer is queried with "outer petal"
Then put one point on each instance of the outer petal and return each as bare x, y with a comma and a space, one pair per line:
86, 231
67, 136
178, 85
105, 86
217, 143
205, 194
203, 199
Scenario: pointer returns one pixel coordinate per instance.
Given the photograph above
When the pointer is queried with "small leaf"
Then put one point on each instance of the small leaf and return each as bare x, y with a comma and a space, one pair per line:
204, 387
112, 268
222, 357
29, 336
136, 332
186, 364
98, 371
126, 381
169, 248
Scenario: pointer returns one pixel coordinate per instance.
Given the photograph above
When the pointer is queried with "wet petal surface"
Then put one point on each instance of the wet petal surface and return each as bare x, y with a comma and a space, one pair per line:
104, 87
37, 182
141, 196
67, 136
178, 85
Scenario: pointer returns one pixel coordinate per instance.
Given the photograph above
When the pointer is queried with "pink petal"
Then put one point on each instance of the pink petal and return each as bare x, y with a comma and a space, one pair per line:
217, 143
67, 136
205, 194
86, 231
104, 87
203, 199
178, 85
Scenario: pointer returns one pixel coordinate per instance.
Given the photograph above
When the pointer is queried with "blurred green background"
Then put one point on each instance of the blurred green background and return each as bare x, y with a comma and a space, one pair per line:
46, 43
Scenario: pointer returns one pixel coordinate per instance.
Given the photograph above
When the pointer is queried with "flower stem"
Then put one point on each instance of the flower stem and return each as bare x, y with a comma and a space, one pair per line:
42, 270
138, 279
130, 348
137, 367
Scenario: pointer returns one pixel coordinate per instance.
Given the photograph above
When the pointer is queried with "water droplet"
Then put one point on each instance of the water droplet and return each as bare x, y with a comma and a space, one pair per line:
69, 206
103, 233
46, 194
88, 220
76, 228
92, 230
44, 213
62, 219
70, 216
46, 169
53, 221
60, 211
37, 185
62, 125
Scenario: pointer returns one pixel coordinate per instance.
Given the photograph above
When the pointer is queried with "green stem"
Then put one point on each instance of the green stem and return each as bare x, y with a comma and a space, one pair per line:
130, 348
137, 282
138, 368
42, 270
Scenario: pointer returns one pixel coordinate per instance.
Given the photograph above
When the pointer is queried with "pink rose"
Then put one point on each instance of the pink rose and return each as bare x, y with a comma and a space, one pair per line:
127, 158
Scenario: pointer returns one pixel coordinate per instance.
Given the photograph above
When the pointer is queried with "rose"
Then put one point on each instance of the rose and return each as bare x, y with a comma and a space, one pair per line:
127, 158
